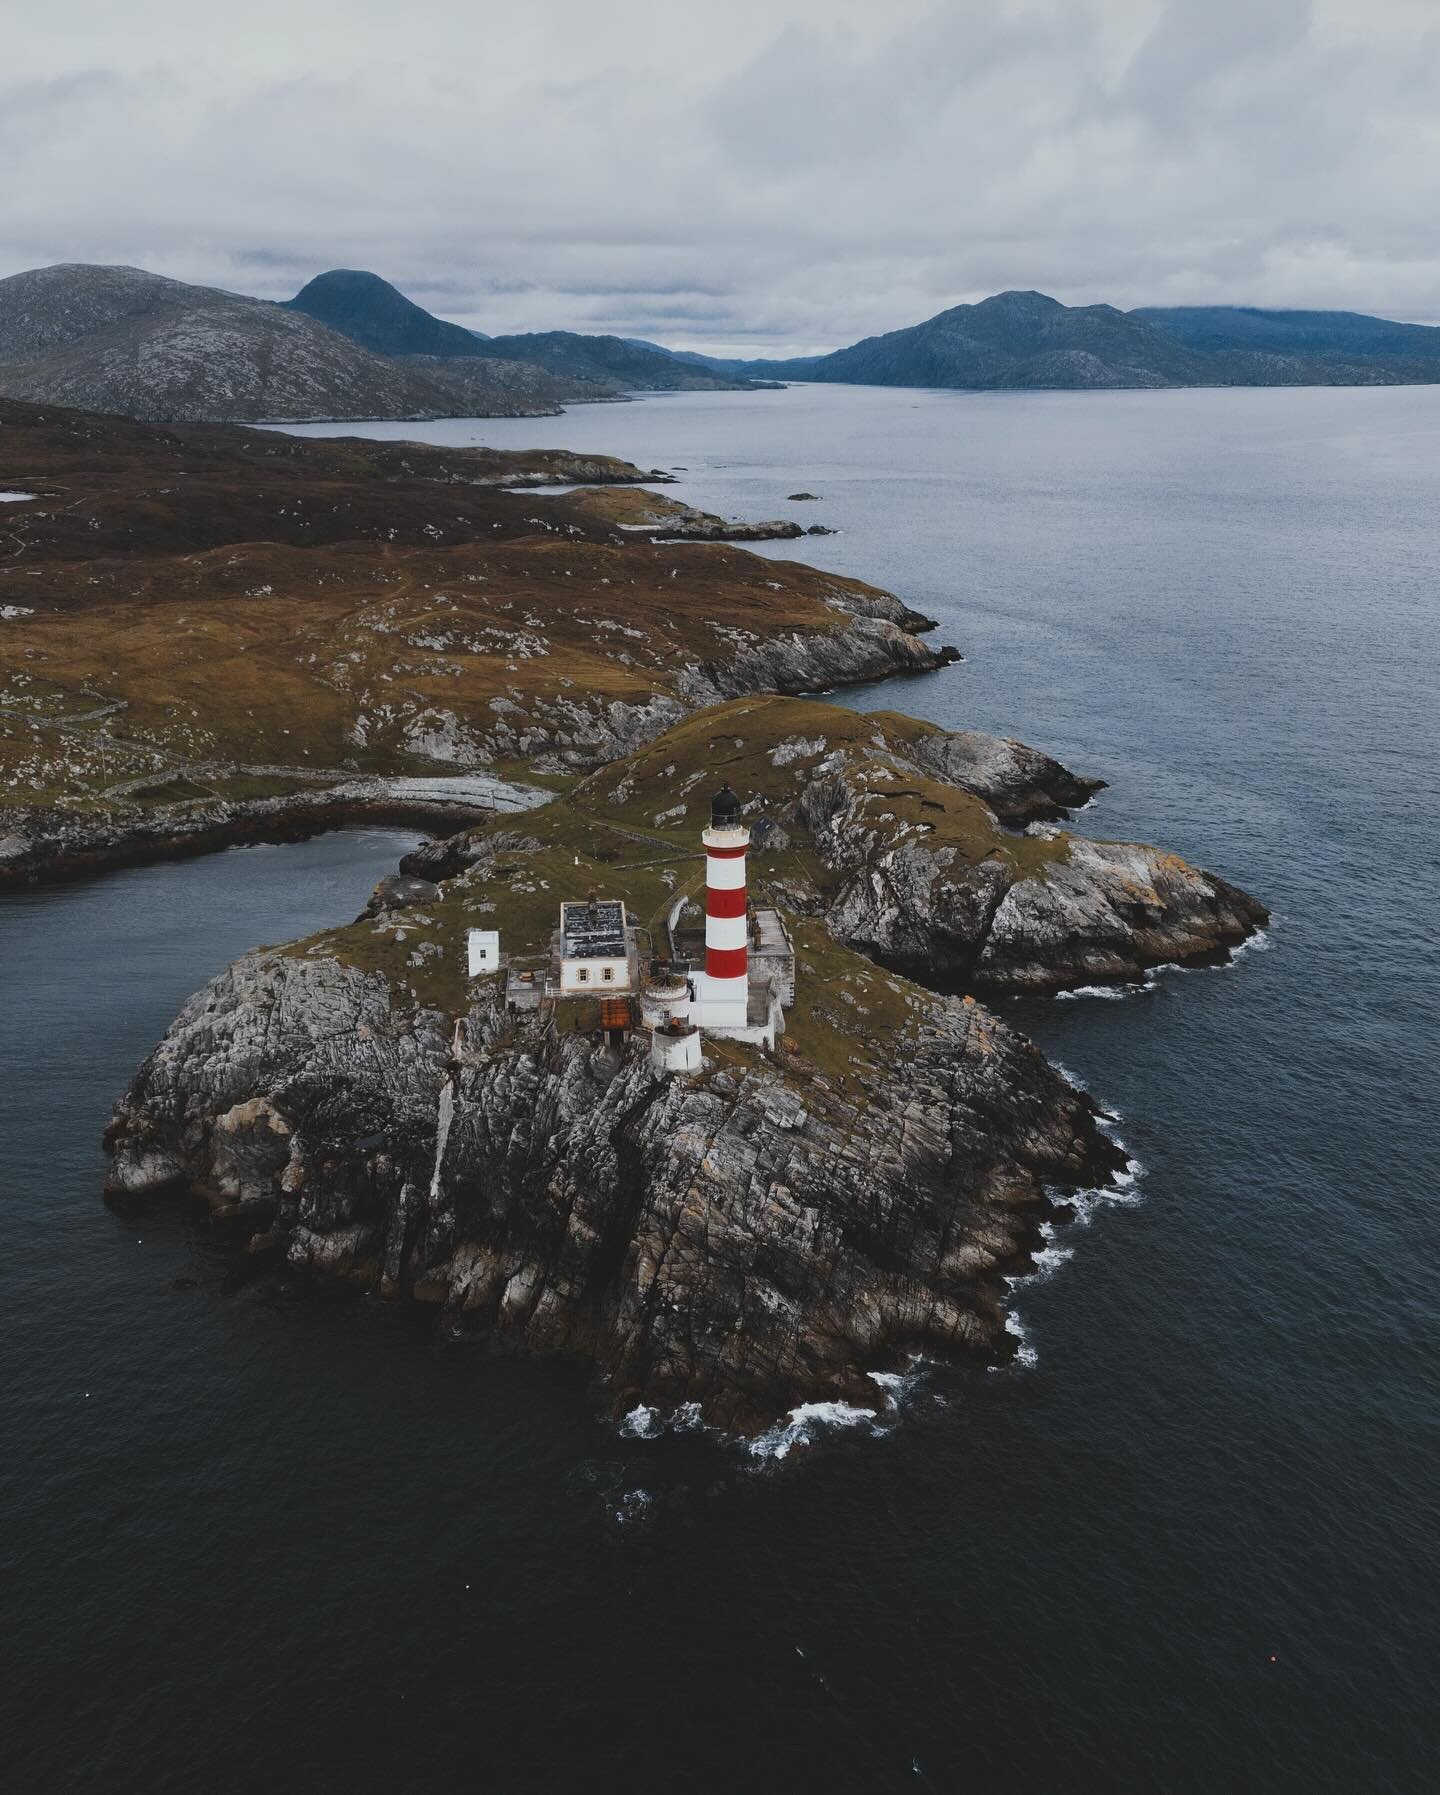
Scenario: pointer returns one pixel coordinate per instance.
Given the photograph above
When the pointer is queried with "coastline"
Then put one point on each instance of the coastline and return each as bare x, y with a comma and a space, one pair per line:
929, 1117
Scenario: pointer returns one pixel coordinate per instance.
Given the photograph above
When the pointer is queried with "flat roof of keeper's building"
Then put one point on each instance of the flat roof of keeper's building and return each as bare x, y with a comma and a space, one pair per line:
593, 931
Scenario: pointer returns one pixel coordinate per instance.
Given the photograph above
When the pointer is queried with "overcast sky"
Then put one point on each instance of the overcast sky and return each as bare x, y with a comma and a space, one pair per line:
748, 175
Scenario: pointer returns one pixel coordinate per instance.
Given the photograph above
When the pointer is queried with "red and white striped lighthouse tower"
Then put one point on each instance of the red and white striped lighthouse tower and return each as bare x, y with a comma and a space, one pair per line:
725, 986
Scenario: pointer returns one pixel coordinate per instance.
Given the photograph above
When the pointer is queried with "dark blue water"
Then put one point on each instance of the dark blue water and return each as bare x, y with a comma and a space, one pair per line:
257, 1541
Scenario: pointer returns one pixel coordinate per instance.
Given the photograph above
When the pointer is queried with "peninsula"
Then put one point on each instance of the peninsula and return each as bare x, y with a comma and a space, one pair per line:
211, 633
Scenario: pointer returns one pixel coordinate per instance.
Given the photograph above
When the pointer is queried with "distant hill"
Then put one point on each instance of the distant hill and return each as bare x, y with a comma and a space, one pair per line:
1347, 334
351, 346
124, 341
1011, 340
1020, 340
714, 364
371, 312
627, 362
377, 315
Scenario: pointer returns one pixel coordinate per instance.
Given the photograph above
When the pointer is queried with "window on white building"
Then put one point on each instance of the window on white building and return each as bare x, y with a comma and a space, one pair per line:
582, 976
608, 973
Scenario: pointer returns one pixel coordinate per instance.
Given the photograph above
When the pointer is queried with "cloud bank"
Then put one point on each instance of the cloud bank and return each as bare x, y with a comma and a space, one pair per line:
755, 178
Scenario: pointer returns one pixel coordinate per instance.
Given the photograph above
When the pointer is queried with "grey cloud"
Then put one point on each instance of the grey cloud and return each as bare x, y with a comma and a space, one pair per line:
770, 177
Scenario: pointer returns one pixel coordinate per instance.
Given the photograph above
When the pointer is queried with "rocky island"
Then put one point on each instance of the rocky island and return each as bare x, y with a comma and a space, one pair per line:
764, 1233
209, 634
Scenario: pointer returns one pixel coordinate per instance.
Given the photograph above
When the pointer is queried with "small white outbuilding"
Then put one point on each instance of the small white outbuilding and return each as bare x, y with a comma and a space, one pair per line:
484, 952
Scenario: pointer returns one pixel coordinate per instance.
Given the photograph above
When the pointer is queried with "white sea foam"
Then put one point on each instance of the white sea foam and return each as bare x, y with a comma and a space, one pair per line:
1025, 1353
642, 1423
646, 1423
799, 1428
1107, 991
1126, 1186
1082, 1205
632, 1508
897, 1386
1258, 943
1046, 1263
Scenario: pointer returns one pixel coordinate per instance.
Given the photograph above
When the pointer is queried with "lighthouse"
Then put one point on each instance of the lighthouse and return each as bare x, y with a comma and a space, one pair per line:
725, 983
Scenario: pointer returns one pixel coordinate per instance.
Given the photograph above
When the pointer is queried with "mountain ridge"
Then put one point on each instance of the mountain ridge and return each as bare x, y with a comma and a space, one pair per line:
350, 345
124, 341
374, 313
1026, 339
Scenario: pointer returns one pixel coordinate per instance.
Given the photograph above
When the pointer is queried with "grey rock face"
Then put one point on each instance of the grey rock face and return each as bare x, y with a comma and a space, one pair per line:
397, 891
1095, 912
448, 855
1108, 912
739, 1241
870, 648
1020, 784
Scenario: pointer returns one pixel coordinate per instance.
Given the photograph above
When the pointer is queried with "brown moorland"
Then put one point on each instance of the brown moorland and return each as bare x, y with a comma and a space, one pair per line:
202, 614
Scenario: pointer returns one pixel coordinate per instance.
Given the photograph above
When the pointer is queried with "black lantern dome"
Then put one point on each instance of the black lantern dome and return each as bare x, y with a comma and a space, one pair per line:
725, 809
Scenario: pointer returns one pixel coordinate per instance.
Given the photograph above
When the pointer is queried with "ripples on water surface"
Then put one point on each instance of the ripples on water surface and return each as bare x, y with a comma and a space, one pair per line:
259, 1542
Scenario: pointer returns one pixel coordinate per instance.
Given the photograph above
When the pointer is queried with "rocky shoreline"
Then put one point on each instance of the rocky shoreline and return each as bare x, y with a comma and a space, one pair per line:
39, 843
43, 847
745, 1242
769, 1234
272, 636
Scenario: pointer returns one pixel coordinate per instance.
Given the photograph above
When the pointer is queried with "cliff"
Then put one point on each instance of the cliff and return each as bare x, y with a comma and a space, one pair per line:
762, 1236
769, 1233
901, 836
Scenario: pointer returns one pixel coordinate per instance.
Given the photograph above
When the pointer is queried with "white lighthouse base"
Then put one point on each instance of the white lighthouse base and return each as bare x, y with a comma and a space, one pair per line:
721, 1004
759, 1019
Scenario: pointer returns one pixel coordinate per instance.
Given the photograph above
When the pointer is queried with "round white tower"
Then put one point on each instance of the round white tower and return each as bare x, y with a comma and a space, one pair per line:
725, 983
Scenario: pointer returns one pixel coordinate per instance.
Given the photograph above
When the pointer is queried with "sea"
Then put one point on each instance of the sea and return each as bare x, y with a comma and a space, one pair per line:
259, 1539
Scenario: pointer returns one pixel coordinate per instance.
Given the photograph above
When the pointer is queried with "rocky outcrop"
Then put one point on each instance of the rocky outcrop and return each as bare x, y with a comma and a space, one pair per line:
869, 649
894, 833
1020, 784
448, 855
747, 1241
400, 891
1076, 913
654, 517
